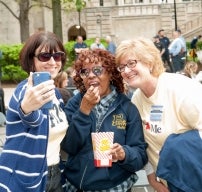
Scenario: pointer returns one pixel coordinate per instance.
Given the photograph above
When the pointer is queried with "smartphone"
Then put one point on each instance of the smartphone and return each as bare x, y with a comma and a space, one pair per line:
39, 77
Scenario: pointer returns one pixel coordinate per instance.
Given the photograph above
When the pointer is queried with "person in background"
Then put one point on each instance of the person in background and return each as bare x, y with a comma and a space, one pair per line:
111, 47
61, 82
1, 54
193, 46
69, 72
166, 57
176, 51
71, 87
2, 110
97, 44
102, 106
159, 45
168, 103
190, 69
184, 46
2, 102
79, 46
30, 158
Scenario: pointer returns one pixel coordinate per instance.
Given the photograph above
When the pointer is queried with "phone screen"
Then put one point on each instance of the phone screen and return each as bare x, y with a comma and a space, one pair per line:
39, 77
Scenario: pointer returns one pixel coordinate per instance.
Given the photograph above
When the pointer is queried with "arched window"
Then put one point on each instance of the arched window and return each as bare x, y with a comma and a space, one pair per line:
74, 31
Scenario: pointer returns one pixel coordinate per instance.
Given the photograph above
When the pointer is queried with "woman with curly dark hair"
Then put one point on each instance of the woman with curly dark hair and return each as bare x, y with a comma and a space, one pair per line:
101, 106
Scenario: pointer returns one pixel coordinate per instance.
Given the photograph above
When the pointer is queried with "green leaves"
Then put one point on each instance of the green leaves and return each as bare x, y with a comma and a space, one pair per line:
13, 73
74, 4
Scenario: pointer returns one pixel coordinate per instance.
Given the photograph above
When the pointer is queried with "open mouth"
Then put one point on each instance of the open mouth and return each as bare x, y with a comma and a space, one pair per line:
94, 84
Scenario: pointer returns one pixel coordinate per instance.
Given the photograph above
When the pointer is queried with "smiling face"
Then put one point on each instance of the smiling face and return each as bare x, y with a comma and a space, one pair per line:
52, 66
38, 52
136, 76
149, 63
100, 80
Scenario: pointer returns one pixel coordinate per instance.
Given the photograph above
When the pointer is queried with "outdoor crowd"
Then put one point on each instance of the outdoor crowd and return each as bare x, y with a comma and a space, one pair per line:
146, 93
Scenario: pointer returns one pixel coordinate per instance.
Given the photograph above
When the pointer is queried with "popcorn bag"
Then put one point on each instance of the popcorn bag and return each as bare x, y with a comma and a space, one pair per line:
102, 141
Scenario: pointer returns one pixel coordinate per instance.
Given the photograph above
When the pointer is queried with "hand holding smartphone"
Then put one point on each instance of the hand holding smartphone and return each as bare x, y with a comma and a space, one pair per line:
40, 77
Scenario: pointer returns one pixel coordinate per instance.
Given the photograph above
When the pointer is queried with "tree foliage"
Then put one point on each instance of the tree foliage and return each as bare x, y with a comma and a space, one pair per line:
22, 14
74, 4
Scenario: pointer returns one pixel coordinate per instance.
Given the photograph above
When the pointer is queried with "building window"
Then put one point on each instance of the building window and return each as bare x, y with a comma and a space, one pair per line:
101, 2
128, 1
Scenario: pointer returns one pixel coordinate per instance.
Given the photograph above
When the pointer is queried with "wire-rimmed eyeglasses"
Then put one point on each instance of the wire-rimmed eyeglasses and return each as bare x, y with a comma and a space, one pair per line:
130, 64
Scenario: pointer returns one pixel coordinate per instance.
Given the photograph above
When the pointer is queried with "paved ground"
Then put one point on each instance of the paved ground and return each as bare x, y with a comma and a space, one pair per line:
141, 185
8, 91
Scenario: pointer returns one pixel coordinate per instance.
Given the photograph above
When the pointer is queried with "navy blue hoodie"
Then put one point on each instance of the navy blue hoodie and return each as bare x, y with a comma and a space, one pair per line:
124, 120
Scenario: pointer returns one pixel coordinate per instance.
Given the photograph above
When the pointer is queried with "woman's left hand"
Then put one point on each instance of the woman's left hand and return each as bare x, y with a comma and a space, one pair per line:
117, 152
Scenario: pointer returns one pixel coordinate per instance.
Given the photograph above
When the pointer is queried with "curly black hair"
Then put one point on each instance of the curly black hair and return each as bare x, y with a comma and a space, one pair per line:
98, 56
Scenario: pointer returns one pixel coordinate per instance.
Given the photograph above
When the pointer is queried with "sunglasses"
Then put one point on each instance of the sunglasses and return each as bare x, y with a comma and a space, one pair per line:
44, 57
97, 70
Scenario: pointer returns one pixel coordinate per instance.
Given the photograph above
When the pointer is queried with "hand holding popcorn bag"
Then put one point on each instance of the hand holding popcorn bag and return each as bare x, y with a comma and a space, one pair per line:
102, 141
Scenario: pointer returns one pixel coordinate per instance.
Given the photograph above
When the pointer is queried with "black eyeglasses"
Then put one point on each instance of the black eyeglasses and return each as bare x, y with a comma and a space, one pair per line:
130, 64
97, 70
44, 57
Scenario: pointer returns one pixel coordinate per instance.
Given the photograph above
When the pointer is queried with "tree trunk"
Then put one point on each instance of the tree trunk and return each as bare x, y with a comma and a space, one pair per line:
24, 20
57, 20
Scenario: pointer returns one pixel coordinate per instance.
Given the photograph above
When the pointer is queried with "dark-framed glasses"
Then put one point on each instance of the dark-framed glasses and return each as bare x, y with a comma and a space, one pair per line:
97, 70
130, 64
44, 56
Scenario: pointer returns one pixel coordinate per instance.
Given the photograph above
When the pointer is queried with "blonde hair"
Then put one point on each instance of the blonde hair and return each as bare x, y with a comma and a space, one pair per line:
190, 68
60, 78
142, 49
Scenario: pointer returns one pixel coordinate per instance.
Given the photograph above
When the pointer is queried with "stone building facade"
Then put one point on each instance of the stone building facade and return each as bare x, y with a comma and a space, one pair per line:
121, 19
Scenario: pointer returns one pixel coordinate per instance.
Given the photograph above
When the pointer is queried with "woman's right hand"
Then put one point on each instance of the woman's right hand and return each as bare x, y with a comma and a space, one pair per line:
157, 185
90, 99
36, 96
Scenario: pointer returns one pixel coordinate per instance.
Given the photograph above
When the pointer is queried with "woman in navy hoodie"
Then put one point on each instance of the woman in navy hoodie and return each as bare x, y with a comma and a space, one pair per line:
102, 106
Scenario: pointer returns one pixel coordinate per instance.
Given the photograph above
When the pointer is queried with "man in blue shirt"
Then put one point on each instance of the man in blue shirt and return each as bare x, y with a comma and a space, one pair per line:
111, 47
176, 52
97, 44
79, 46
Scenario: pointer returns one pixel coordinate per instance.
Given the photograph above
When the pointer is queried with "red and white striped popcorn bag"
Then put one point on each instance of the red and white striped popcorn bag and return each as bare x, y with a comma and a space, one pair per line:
102, 142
